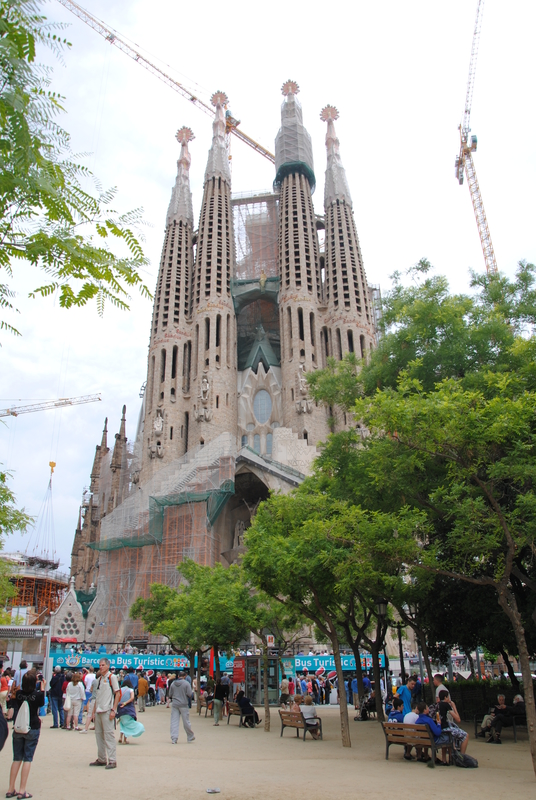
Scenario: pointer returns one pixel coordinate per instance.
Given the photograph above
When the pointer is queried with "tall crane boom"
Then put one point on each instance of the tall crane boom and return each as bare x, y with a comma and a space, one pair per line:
112, 37
63, 401
468, 145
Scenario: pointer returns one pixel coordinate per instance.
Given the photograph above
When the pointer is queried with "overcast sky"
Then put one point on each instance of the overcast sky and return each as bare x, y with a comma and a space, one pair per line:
397, 73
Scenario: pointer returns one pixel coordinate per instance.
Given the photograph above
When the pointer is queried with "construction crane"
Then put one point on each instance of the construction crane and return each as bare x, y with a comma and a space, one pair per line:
111, 36
61, 403
468, 144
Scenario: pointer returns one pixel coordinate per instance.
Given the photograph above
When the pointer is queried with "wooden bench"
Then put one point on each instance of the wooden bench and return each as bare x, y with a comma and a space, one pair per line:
414, 736
516, 721
295, 719
207, 706
235, 709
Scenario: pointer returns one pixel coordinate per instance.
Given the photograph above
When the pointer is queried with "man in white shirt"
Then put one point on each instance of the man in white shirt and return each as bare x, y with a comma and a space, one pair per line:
107, 697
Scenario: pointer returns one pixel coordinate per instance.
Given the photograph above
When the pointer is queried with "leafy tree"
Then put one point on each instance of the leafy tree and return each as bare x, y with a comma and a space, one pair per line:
47, 219
11, 521
320, 556
448, 400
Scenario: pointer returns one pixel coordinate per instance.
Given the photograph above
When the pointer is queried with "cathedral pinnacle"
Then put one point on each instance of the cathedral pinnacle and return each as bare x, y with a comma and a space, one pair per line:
218, 156
293, 147
336, 185
289, 87
180, 206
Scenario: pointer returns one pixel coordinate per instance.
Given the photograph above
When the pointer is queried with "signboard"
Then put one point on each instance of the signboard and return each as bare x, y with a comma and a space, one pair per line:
72, 660
239, 670
312, 663
270, 640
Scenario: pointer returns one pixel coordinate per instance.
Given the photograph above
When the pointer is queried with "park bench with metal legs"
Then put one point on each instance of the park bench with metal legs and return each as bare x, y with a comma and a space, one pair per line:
515, 721
295, 719
412, 736
234, 709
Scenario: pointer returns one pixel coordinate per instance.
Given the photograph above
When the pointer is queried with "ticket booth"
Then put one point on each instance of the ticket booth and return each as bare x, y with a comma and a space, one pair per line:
249, 672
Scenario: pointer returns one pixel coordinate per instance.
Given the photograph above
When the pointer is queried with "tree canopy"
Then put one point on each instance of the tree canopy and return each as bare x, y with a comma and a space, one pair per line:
48, 221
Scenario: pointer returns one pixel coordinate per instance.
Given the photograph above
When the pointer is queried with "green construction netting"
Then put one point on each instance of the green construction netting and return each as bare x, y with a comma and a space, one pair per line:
85, 599
215, 500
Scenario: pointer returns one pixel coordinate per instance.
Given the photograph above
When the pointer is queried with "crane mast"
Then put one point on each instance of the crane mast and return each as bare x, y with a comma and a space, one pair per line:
112, 37
61, 403
468, 145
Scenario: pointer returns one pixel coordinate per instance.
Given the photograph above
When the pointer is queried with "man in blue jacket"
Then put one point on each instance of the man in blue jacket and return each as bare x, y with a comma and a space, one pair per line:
441, 737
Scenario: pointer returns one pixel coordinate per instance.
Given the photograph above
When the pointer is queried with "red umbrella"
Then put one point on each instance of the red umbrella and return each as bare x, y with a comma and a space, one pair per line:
332, 674
320, 672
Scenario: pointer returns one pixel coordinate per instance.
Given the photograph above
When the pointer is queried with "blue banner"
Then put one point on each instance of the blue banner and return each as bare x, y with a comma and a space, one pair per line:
122, 660
313, 663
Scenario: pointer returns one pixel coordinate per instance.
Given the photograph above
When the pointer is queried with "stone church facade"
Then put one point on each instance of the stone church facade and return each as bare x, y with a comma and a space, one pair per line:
246, 306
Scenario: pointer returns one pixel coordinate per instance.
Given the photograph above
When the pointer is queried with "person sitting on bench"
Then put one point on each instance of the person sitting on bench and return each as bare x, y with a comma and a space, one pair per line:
309, 713
505, 719
252, 718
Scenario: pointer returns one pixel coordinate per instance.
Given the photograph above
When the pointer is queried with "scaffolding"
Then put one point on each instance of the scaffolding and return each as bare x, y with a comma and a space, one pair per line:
155, 528
40, 586
255, 218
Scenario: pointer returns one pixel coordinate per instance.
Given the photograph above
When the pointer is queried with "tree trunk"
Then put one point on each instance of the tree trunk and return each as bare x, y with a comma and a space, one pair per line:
401, 654
354, 644
427, 664
266, 699
508, 603
510, 668
375, 651
343, 706
471, 663
198, 692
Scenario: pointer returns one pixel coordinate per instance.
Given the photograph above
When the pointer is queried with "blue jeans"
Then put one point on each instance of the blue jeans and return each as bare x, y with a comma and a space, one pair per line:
56, 704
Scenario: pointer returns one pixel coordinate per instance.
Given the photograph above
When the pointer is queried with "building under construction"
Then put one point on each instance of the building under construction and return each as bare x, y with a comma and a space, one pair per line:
40, 587
246, 306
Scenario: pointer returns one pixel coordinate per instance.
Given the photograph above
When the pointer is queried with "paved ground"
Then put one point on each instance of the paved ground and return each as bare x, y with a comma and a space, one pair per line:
248, 764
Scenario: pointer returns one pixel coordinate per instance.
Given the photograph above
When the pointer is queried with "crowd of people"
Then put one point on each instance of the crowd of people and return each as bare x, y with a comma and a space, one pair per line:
114, 698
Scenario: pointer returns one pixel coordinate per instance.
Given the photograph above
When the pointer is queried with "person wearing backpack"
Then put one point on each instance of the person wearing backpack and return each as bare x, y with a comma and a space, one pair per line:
28, 700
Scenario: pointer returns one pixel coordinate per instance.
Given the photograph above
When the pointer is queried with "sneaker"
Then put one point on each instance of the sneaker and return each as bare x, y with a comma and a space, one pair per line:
173, 741
408, 757
98, 763
498, 740
192, 739
111, 765
82, 731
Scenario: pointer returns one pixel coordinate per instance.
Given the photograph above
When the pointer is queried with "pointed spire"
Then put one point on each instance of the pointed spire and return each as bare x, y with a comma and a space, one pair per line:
293, 147
180, 205
336, 185
122, 429
104, 441
218, 155
120, 439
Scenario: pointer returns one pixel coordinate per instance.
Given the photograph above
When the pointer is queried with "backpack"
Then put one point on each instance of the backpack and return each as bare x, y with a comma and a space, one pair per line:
22, 723
463, 760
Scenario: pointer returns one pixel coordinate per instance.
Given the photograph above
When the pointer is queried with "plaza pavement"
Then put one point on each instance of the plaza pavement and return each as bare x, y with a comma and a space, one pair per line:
246, 763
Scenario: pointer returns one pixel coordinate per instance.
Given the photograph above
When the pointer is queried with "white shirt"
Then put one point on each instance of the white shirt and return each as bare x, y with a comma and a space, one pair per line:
411, 718
88, 681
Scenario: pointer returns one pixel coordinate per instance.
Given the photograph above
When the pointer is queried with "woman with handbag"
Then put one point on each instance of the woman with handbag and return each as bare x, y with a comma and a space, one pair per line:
74, 697
24, 744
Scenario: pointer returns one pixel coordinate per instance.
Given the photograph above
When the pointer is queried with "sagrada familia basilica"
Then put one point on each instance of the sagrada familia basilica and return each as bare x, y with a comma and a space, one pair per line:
247, 304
